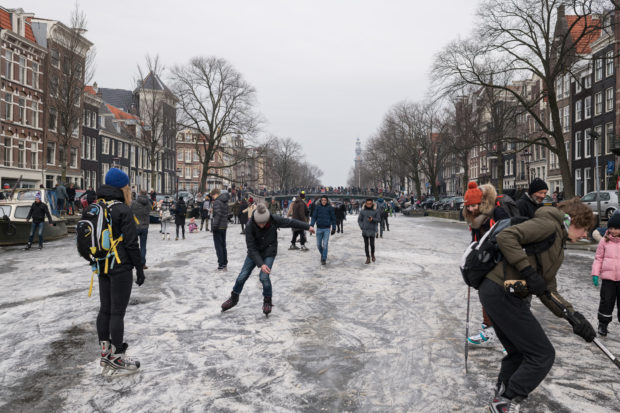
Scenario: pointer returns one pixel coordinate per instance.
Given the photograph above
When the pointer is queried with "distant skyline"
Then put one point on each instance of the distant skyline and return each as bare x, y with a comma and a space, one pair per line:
325, 71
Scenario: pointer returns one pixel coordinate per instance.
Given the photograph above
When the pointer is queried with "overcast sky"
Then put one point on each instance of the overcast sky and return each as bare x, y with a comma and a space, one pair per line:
325, 71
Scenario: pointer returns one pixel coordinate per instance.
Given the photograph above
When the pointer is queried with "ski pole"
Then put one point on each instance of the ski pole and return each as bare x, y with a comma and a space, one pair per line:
569, 316
467, 328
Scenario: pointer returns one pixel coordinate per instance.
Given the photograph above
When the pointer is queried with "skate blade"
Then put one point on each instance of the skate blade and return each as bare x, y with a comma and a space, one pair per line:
112, 372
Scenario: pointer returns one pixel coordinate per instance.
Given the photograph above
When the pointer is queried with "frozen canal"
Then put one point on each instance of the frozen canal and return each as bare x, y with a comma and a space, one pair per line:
385, 337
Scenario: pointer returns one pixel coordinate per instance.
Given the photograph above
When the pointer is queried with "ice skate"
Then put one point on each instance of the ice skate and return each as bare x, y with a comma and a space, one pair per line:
267, 306
373, 258
119, 364
104, 345
303, 248
163, 237
485, 336
231, 302
602, 329
28, 246
501, 404
293, 247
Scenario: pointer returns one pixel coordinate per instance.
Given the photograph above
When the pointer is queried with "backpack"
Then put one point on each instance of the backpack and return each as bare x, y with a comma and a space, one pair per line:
95, 242
482, 256
508, 205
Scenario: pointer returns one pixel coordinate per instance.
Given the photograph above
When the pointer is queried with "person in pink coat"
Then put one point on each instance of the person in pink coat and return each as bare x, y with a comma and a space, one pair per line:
606, 266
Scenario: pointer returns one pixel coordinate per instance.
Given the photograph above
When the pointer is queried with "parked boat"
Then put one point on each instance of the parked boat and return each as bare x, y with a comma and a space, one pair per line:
14, 229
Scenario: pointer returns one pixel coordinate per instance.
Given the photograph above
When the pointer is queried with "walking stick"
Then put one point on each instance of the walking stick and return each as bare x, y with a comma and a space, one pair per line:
572, 320
467, 328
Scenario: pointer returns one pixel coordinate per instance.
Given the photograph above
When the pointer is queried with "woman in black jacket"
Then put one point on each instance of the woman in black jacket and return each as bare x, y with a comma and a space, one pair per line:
115, 285
180, 209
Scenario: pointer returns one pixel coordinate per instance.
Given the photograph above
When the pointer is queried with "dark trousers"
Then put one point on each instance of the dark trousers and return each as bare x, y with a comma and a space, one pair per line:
302, 236
610, 294
114, 293
182, 226
202, 221
530, 353
339, 225
219, 241
242, 227
142, 235
387, 224
371, 241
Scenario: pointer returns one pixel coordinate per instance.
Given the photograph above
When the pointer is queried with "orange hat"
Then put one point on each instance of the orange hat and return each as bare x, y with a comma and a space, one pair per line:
473, 195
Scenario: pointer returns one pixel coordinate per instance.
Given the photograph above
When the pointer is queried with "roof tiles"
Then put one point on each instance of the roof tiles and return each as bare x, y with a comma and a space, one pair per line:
583, 31
119, 114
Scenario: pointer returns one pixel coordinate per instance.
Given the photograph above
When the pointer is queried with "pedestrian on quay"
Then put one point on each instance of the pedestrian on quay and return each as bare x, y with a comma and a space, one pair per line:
341, 215
299, 212
530, 354
91, 195
261, 237
71, 198
115, 286
180, 211
480, 213
324, 217
368, 220
165, 216
243, 217
606, 266
219, 226
236, 210
205, 209
38, 211
531, 200
141, 208
381, 207
61, 197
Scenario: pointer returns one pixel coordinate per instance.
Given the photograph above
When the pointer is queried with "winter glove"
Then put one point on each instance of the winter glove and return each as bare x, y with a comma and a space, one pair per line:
333, 231
595, 280
582, 327
535, 283
140, 276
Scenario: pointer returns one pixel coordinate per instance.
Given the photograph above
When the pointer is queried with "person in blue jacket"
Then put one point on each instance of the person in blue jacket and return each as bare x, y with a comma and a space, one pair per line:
324, 217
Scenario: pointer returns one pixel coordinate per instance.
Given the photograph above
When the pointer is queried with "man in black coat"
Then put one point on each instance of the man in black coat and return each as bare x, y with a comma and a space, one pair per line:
533, 198
219, 226
261, 238
38, 212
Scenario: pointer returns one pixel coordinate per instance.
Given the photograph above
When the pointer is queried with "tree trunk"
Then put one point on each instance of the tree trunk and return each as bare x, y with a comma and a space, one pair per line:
500, 173
154, 174
63, 165
567, 175
465, 164
203, 177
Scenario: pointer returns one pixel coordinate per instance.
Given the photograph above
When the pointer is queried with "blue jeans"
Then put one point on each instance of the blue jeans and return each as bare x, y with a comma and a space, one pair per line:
142, 234
322, 240
246, 270
33, 228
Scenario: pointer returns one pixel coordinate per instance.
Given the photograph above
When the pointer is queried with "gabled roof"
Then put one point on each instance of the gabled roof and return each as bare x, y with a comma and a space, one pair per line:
90, 90
577, 26
120, 98
154, 82
6, 23
119, 114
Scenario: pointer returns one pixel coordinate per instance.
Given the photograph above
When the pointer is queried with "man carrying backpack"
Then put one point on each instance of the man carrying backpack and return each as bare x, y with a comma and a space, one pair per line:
505, 289
115, 285
533, 198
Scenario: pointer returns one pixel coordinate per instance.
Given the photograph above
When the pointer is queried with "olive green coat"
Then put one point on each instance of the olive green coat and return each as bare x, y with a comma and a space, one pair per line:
546, 221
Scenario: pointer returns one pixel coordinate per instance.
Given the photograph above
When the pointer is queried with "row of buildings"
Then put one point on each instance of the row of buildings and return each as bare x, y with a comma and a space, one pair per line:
587, 98
43, 63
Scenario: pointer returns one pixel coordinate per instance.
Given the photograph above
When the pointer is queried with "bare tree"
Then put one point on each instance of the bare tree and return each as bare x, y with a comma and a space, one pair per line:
285, 155
217, 103
517, 39
70, 50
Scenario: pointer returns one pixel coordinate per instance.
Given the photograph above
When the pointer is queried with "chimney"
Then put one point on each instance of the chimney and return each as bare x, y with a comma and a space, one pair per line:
95, 87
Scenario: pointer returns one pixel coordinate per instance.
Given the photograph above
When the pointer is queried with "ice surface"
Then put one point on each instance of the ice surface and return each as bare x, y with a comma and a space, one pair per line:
384, 337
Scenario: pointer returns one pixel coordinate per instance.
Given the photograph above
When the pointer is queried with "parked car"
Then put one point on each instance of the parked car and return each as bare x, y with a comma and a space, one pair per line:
440, 204
427, 203
609, 202
456, 203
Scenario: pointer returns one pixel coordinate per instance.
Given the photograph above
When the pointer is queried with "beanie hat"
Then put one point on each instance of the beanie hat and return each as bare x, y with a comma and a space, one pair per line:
302, 194
116, 178
537, 185
250, 200
614, 221
261, 215
473, 195
38, 196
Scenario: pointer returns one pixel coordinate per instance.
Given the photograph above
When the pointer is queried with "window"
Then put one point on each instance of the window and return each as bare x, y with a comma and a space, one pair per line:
35, 114
35, 75
587, 82
567, 85
609, 62
609, 137
196, 172
587, 143
52, 119
180, 156
126, 150
74, 156
106, 146
54, 58
54, 85
8, 64
132, 155
93, 148
8, 106
598, 69
22, 70
578, 83
566, 119
34, 156
598, 103
587, 107
188, 172
578, 188
578, 145
578, 111
188, 156
22, 110
558, 87
61, 154
51, 153
600, 141
8, 151
609, 99
587, 172
105, 167
196, 156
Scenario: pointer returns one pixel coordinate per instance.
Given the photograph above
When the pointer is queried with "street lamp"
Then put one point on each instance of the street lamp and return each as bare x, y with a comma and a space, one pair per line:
596, 136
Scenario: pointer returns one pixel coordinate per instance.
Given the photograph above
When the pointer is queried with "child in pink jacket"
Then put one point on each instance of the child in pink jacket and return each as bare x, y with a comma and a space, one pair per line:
606, 265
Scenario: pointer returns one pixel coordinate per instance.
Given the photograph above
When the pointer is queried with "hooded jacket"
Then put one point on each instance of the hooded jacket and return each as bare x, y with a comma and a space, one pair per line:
546, 221
607, 260
368, 227
527, 206
122, 224
263, 242
141, 208
220, 211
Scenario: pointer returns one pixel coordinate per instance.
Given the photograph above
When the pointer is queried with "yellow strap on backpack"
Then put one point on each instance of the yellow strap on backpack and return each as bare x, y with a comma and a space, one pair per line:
92, 278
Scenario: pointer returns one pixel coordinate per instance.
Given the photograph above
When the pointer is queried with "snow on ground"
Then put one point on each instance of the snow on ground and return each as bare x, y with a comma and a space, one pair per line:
385, 337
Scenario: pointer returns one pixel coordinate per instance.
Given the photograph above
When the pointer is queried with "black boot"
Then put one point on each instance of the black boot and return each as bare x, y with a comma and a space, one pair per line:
231, 302
28, 246
267, 305
602, 329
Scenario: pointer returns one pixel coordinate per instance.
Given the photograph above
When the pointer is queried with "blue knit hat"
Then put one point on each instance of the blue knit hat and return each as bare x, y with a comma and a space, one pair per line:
116, 178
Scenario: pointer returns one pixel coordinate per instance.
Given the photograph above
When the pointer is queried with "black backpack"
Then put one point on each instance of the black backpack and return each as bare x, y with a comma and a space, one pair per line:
508, 205
482, 256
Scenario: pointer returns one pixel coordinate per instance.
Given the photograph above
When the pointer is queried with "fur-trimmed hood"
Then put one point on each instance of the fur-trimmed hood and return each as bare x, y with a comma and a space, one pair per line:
486, 205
